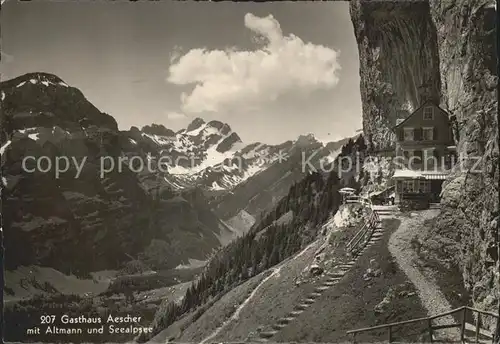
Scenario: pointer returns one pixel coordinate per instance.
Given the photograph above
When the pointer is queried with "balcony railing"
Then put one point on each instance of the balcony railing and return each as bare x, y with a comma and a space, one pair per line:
430, 166
424, 163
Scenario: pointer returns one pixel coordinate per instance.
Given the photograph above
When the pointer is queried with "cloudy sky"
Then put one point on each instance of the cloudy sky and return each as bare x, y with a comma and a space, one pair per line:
272, 70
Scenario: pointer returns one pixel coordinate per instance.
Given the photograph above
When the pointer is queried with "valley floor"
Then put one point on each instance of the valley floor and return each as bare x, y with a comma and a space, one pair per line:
40, 291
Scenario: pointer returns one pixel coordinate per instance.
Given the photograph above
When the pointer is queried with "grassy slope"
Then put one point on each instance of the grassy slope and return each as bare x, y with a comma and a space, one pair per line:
350, 304
185, 331
268, 304
259, 310
282, 294
273, 299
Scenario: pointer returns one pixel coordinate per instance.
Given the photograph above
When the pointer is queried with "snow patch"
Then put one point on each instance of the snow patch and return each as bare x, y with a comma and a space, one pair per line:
33, 81
342, 217
21, 84
3, 95
158, 139
4, 147
196, 131
331, 157
34, 136
207, 131
285, 218
242, 222
27, 130
213, 158
193, 264
216, 186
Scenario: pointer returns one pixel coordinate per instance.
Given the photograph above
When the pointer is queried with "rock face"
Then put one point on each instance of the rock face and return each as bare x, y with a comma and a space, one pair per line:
395, 59
466, 35
450, 45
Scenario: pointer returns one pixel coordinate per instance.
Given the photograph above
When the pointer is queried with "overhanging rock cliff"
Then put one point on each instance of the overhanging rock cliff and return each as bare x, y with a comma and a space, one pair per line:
451, 46
397, 54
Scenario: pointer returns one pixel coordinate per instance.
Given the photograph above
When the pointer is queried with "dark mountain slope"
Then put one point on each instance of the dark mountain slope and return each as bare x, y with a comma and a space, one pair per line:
85, 220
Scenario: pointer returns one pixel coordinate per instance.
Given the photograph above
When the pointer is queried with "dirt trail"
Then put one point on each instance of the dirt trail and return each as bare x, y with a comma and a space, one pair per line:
430, 295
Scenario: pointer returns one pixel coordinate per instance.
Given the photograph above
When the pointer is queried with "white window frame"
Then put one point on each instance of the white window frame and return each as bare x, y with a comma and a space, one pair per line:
408, 130
431, 131
424, 185
431, 108
411, 153
428, 153
409, 185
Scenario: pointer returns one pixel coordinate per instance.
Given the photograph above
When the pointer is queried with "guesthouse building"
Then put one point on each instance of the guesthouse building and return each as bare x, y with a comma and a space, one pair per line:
425, 153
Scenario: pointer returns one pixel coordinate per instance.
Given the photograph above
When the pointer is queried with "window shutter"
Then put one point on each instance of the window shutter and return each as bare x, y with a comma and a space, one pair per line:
419, 154
434, 133
418, 134
401, 135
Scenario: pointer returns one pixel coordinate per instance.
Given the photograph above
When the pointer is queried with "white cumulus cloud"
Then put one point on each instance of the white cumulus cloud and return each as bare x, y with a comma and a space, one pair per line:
225, 79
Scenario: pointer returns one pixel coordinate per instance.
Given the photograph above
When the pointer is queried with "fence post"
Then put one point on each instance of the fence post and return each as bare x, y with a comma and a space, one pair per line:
390, 334
462, 332
478, 319
429, 323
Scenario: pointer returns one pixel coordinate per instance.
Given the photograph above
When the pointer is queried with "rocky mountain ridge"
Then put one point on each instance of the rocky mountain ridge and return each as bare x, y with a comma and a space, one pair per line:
212, 156
114, 198
240, 179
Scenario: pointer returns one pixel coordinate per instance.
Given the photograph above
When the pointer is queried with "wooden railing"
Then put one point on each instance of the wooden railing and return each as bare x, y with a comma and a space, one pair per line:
463, 325
362, 237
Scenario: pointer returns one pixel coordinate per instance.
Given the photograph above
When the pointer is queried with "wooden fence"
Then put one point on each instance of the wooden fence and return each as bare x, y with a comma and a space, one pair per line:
362, 237
463, 325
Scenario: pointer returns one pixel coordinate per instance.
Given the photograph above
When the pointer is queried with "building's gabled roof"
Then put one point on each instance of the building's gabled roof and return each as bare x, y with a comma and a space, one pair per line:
347, 190
443, 112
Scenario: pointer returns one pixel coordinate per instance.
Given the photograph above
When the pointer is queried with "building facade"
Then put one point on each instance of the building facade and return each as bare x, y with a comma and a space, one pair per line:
425, 153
